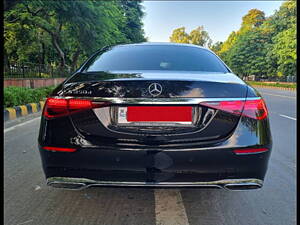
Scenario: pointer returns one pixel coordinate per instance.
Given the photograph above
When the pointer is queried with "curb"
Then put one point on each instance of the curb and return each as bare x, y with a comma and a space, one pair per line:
278, 88
22, 110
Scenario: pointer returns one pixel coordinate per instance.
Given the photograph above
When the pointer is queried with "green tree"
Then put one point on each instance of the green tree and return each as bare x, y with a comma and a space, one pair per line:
254, 18
179, 36
228, 43
248, 55
263, 46
216, 47
133, 28
200, 37
284, 49
282, 55
197, 36
64, 33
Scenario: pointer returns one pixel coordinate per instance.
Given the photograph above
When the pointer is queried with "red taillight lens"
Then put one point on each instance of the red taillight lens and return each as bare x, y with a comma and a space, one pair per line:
55, 107
235, 107
255, 109
80, 104
59, 149
250, 151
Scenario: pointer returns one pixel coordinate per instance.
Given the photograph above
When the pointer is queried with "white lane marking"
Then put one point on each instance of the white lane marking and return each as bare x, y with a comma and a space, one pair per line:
291, 118
284, 96
19, 125
169, 208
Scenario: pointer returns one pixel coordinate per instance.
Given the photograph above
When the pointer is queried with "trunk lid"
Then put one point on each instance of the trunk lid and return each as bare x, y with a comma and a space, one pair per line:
136, 85
132, 90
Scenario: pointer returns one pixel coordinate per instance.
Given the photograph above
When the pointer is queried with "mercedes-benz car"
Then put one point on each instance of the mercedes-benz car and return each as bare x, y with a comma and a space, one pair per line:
155, 115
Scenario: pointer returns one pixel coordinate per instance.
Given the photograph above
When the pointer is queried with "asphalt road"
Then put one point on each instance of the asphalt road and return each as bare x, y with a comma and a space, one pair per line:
27, 200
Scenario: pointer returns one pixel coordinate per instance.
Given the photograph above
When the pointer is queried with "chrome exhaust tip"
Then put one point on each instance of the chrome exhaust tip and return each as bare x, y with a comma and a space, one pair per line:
67, 185
242, 186
82, 183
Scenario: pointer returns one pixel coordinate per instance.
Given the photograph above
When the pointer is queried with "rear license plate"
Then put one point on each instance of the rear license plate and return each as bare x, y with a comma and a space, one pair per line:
155, 115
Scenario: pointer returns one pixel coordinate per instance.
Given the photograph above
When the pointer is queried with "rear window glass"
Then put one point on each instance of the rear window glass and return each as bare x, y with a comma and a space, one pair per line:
156, 57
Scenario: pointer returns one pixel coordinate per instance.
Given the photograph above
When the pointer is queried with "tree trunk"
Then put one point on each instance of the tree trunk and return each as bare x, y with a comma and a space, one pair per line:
6, 60
75, 59
59, 50
43, 53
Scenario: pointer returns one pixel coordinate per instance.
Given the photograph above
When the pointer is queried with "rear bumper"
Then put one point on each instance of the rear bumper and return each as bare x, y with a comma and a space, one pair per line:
218, 168
206, 165
82, 183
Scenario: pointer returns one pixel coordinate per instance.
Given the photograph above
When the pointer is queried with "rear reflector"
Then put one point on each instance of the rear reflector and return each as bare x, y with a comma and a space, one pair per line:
59, 149
255, 109
250, 151
55, 107
159, 114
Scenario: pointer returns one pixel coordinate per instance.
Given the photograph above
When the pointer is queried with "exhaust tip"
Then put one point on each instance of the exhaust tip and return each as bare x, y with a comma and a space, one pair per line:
65, 185
243, 186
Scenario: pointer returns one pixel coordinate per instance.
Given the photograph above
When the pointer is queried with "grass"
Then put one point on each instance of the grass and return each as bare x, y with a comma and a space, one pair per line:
273, 84
15, 96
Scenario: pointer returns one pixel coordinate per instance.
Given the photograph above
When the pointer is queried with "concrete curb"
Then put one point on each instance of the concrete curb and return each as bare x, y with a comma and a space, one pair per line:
22, 110
278, 88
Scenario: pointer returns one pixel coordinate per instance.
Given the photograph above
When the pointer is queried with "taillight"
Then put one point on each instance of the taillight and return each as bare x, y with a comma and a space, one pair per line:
235, 107
249, 151
55, 107
59, 149
255, 109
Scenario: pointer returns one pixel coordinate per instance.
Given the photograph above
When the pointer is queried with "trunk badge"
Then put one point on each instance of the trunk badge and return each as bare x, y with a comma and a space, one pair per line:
155, 89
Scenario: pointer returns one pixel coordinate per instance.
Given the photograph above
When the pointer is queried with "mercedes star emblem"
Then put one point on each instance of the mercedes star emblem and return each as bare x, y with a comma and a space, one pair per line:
155, 89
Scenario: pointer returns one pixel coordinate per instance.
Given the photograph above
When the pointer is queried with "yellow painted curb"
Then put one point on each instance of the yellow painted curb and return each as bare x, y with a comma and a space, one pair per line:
12, 113
42, 103
24, 110
34, 107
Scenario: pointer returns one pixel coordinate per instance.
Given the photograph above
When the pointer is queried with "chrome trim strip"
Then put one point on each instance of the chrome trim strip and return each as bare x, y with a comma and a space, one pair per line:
88, 183
168, 101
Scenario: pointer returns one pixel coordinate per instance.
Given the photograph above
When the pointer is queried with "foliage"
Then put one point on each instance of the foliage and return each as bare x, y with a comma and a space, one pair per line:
65, 33
197, 36
263, 46
224, 48
216, 47
200, 37
254, 18
285, 50
15, 96
179, 36
247, 56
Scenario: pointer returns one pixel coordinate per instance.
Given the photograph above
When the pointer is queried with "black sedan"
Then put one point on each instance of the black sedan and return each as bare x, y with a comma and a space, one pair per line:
155, 115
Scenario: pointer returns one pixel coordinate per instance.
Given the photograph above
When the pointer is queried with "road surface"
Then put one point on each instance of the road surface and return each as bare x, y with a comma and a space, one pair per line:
27, 200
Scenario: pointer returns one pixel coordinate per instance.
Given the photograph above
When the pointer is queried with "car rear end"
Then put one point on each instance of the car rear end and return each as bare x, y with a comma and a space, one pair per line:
155, 129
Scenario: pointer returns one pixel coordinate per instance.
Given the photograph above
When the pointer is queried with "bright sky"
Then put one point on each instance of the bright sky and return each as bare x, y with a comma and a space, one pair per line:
219, 18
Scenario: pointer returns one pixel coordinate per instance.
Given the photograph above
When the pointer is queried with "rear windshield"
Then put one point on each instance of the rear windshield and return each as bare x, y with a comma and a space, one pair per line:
156, 57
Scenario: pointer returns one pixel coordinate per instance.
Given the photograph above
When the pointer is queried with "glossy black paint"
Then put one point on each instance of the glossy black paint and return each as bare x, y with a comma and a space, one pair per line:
106, 152
116, 159
135, 85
